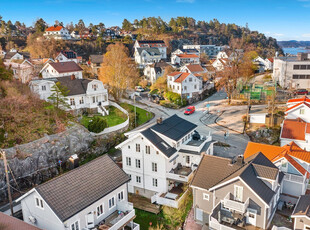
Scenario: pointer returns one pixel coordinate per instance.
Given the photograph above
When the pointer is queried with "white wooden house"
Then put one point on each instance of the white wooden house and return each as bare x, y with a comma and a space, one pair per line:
94, 194
57, 32
160, 44
61, 69
162, 158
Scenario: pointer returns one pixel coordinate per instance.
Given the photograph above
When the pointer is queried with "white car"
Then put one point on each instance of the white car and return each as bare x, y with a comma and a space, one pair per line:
139, 89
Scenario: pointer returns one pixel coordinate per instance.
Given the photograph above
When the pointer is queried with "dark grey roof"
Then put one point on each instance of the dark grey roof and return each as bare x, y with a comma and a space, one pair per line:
9, 55
77, 189
189, 50
303, 206
76, 86
98, 59
214, 170
174, 127
151, 51
189, 151
151, 41
65, 67
163, 146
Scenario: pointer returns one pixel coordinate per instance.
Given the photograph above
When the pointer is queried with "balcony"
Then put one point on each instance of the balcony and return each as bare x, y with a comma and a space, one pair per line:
172, 198
122, 217
294, 178
180, 173
196, 145
231, 204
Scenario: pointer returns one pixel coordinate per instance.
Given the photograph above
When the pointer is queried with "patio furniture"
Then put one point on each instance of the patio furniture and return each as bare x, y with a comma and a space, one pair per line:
171, 196
228, 220
280, 205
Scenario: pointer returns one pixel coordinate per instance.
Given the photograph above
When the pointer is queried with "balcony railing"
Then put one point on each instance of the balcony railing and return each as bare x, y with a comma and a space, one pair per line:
214, 224
294, 178
178, 177
235, 205
124, 207
166, 201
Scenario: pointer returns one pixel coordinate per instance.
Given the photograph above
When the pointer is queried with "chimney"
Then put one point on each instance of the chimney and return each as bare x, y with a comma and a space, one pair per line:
73, 161
240, 160
56, 61
160, 120
72, 77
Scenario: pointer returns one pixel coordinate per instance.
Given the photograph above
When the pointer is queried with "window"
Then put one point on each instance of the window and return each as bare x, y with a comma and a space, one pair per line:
205, 196
43, 87
190, 79
302, 111
81, 100
100, 210
128, 161
155, 184
157, 152
188, 159
185, 87
128, 146
94, 99
75, 225
111, 202
296, 67
120, 196
147, 149
238, 193
72, 101
138, 163
284, 165
154, 167
95, 87
195, 86
39, 202
138, 179
138, 148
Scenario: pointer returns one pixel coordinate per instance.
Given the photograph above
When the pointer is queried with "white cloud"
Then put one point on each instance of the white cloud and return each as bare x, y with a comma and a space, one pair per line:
306, 35
186, 1
278, 35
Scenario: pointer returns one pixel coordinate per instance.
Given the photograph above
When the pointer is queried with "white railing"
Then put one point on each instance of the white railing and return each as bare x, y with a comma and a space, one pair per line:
214, 224
124, 207
294, 178
177, 177
235, 205
168, 202
197, 148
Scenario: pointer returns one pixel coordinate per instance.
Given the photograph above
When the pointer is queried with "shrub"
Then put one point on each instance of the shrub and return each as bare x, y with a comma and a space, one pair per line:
97, 125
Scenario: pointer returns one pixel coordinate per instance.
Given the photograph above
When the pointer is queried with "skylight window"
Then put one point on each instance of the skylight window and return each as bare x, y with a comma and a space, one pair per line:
165, 145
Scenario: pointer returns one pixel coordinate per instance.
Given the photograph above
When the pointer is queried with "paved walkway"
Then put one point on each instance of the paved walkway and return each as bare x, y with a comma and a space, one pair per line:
190, 223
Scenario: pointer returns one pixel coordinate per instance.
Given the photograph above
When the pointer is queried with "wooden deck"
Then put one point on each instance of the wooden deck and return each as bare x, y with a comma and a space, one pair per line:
143, 203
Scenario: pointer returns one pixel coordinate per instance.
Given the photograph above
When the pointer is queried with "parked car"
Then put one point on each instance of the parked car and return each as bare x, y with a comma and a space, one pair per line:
301, 92
139, 89
189, 110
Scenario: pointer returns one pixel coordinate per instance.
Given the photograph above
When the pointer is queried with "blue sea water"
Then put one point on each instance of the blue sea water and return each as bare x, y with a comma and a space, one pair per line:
294, 51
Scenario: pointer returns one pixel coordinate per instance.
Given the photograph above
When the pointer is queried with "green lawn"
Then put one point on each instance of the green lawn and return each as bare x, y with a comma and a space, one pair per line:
142, 115
145, 218
115, 117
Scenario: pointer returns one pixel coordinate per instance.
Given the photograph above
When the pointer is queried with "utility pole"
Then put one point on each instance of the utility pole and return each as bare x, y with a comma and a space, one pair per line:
7, 180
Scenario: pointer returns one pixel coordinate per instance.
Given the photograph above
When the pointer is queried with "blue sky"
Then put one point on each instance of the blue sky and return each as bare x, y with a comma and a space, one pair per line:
282, 19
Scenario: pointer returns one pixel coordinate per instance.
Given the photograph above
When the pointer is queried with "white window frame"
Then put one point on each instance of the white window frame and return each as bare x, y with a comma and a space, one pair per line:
206, 196
138, 147
154, 167
74, 225
98, 208
43, 87
138, 181
128, 161
156, 182
235, 192
72, 101
113, 197
81, 100
121, 192
41, 204
302, 111
138, 163
148, 149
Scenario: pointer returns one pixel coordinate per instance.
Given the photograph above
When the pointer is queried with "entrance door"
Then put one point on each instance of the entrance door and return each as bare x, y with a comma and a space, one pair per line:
251, 216
90, 220
199, 214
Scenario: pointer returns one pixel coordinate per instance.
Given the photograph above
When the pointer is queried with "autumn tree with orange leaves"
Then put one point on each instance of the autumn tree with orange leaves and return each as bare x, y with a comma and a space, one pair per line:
118, 71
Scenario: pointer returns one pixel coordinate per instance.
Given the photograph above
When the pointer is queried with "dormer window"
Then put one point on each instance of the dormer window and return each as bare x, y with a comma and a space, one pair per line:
302, 111
95, 87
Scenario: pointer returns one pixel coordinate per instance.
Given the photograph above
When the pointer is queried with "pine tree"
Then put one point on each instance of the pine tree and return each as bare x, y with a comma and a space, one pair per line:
58, 97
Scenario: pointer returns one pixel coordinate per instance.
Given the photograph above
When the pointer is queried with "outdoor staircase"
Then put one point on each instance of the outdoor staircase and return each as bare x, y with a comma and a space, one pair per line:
103, 110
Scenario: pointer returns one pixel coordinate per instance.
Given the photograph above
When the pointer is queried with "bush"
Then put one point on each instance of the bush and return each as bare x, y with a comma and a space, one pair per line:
97, 125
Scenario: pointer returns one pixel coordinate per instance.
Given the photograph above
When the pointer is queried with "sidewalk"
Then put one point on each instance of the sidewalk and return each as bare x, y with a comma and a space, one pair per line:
190, 223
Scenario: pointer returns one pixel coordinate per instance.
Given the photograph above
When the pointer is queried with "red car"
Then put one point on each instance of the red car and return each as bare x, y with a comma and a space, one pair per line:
189, 110
301, 92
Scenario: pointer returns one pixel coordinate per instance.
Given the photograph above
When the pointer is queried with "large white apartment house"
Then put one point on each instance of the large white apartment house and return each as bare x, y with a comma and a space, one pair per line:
160, 44
162, 159
57, 32
210, 50
292, 72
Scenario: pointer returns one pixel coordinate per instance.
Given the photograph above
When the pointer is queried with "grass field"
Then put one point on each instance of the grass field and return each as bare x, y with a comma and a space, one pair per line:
142, 115
115, 117
145, 218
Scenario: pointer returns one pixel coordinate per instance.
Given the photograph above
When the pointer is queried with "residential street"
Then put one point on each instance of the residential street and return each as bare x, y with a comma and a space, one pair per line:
206, 121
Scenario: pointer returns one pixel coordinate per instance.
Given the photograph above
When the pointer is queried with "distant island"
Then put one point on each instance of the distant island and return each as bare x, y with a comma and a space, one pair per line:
294, 44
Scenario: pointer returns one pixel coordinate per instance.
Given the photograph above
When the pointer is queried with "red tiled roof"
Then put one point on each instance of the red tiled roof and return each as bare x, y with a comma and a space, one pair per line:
302, 99
275, 153
54, 28
174, 73
195, 68
66, 67
12, 223
182, 77
270, 59
185, 55
301, 103
294, 129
